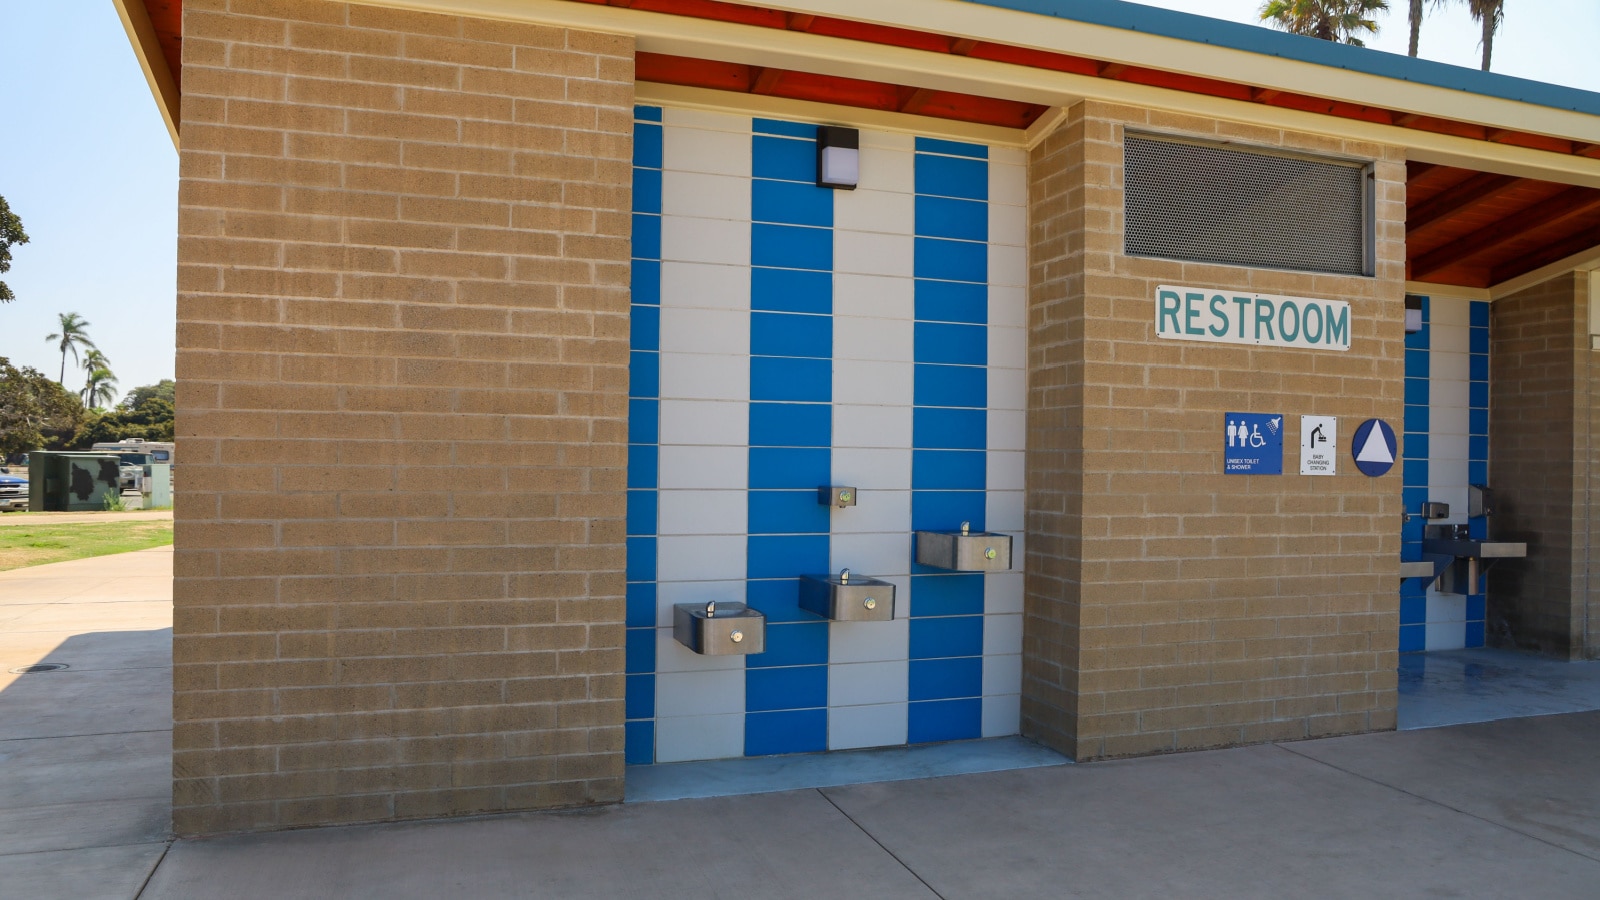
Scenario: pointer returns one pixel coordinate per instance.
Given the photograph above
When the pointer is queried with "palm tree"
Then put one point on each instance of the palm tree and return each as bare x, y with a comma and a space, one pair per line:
74, 334
1489, 14
97, 369
1331, 20
1415, 16
101, 388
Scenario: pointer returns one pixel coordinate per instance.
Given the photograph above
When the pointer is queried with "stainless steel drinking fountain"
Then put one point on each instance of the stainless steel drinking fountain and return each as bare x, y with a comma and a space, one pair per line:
965, 550
1470, 557
719, 629
847, 598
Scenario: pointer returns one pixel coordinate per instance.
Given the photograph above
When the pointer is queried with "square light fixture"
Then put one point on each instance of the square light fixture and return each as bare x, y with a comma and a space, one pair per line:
838, 157
1413, 314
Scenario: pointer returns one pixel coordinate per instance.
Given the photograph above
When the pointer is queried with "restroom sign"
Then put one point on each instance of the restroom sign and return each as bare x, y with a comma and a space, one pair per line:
1253, 444
1319, 445
1268, 320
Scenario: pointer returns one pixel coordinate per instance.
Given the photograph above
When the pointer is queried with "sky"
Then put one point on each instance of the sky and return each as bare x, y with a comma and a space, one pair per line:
87, 163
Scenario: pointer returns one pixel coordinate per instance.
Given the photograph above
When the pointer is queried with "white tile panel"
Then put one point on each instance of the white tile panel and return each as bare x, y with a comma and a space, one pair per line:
868, 253
875, 296
699, 737
1008, 388
1002, 591
1002, 636
1002, 716
705, 330
703, 512
686, 239
870, 426
890, 140
1008, 177
1008, 347
703, 150
699, 422
887, 169
861, 338
1008, 225
703, 376
878, 555
1006, 470
1447, 366
876, 472
1008, 429
859, 684
1002, 674
699, 693
1446, 393
852, 727
1006, 511
1449, 311
1445, 607
679, 117
1448, 339
1008, 265
704, 286
702, 196
704, 468
850, 642
1448, 420
885, 212
700, 557
863, 381
1444, 636
1008, 306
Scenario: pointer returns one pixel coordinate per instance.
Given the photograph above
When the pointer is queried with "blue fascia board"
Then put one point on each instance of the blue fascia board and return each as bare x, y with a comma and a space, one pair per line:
1269, 42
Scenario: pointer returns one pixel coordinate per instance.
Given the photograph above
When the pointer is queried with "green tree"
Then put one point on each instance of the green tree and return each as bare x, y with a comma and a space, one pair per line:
10, 233
74, 333
166, 389
1489, 14
151, 420
35, 412
1330, 20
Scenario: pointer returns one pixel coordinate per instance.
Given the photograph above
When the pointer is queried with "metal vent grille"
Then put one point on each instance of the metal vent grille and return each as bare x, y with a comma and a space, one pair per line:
1206, 203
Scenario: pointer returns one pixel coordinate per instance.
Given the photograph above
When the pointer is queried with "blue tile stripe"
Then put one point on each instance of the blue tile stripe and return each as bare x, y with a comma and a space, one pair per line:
1478, 454
1414, 486
644, 409
949, 433
791, 433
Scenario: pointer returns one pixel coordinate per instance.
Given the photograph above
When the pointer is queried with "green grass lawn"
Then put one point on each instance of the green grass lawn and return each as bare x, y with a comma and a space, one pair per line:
35, 545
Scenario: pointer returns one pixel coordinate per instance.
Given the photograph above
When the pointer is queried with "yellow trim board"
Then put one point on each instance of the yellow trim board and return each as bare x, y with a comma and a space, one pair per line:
1429, 289
826, 114
730, 42
142, 35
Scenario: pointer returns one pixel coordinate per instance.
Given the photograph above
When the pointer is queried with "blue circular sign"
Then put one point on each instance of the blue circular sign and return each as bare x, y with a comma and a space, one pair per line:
1374, 447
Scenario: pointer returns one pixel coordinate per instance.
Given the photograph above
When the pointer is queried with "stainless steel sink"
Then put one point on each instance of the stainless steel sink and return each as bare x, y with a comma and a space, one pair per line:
965, 550
1470, 549
847, 598
719, 629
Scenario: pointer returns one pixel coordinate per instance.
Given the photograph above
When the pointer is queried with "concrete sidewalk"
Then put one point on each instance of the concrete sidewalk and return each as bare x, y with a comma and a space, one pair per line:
85, 752
1502, 809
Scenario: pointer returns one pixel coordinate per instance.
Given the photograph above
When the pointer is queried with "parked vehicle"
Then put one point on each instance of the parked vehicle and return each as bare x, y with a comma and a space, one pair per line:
13, 493
136, 453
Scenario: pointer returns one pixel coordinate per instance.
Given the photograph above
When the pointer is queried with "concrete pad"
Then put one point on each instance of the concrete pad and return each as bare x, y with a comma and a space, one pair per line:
1252, 822
87, 651
79, 702
76, 826
1456, 687
767, 774
1539, 777
79, 617
96, 873
52, 771
768, 846
141, 575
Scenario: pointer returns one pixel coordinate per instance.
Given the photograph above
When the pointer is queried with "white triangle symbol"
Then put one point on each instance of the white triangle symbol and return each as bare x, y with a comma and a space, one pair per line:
1376, 449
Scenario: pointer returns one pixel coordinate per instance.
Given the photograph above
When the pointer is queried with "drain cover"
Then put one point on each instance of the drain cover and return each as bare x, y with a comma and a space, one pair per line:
41, 667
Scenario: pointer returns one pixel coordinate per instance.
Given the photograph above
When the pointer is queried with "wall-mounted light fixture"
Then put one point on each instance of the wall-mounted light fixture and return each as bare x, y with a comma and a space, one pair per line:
1413, 314
838, 157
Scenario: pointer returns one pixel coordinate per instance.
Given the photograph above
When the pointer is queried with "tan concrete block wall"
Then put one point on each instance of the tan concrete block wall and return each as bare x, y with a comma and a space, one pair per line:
1213, 609
1540, 459
402, 369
